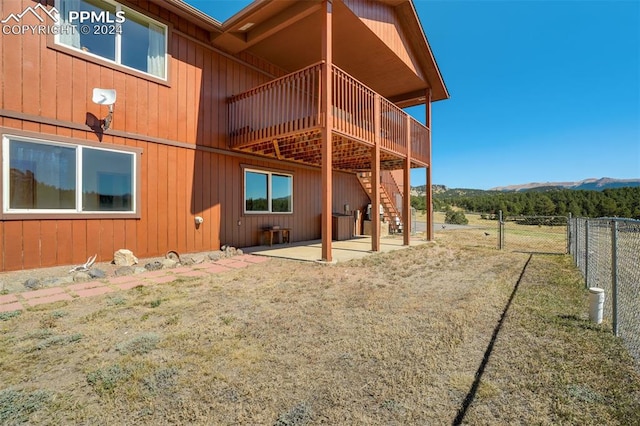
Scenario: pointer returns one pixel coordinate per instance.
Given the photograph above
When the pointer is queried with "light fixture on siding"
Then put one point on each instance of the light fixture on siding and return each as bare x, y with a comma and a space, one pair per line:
105, 97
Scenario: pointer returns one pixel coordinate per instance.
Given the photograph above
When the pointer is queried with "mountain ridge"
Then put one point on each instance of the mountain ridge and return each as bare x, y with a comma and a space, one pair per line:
593, 184
590, 184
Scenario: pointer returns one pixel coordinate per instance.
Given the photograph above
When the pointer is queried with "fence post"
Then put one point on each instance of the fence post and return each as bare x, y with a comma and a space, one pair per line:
614, 275
500, 231
586, 253
569, 234
576, 232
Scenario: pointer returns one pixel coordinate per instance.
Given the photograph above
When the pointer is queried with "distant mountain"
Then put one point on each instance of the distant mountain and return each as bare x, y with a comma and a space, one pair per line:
587, 184
444, 191
422, 189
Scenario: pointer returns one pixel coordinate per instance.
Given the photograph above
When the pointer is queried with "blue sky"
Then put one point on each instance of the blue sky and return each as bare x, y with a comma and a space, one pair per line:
541, 90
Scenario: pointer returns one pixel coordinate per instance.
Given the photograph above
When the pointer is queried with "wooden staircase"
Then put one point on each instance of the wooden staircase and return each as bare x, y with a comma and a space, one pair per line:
389, 207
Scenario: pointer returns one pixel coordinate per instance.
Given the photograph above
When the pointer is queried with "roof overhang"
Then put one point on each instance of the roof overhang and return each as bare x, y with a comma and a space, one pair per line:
288, 33
190, 13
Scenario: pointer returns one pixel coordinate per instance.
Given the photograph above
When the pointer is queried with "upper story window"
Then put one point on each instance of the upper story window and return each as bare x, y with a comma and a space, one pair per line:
111, 31
52, 177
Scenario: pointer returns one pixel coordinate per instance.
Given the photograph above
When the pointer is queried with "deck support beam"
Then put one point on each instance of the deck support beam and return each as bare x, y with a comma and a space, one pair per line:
375, 177
429, 188
406, 199
325, 110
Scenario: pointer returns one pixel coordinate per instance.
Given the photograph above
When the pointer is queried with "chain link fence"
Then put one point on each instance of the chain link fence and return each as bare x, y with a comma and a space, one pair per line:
607, 252
481, 230
534, 234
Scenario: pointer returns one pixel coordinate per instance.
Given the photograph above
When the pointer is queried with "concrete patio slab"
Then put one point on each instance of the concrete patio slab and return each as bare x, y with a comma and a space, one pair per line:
311, 251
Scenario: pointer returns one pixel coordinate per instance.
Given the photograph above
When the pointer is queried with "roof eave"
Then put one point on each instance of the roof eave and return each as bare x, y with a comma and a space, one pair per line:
438, 86
185, 10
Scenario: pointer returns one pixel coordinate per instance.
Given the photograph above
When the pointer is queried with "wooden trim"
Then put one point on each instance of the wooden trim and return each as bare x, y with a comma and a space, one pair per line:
288, 17
270, 171
46, 137
69, 140
189, 12
136, 136
266, 169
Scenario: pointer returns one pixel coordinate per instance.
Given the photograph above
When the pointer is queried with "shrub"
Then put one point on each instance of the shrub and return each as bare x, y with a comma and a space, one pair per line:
6, 316
57, 341
456, 218
106, 379
139, 345
16, 406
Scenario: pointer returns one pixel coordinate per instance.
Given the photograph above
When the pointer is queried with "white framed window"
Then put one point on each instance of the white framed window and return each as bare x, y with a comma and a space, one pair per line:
108, 30
53, 177
267, 192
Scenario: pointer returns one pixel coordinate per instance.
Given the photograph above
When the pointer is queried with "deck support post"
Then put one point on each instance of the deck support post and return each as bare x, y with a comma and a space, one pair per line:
429, 186
406, 200
325, 111
375, 176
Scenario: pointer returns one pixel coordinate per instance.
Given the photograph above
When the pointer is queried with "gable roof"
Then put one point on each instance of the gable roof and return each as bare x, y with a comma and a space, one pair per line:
366, 34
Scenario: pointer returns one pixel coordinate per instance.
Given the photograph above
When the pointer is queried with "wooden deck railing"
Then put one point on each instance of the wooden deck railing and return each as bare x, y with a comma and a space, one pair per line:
420, 141
286, 105
353, 106
291, 104
393, 127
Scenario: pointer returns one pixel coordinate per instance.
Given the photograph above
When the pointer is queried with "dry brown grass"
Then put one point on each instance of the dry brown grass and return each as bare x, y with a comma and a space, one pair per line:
390, 339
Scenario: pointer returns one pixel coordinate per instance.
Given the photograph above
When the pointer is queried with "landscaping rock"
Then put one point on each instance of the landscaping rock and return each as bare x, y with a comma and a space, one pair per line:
139, 270
198, 259
51, 281
80, 277
153, 266
216, 255
97, 273
169, 264
63, 280
124, 270
230, 251
173, 256
32, 283
124, 257
239, 252
186, 261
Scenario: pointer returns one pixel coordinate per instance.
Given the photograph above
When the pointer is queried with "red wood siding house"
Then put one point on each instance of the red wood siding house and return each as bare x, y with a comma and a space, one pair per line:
266, 119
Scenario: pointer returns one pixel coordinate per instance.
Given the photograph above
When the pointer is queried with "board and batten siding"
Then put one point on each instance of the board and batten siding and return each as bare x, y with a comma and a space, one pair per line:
180, 126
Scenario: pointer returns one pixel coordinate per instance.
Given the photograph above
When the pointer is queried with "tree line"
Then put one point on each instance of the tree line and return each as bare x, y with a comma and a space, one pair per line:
615, 202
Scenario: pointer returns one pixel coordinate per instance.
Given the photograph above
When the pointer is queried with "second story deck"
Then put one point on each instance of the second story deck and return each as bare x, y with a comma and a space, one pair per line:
282, 119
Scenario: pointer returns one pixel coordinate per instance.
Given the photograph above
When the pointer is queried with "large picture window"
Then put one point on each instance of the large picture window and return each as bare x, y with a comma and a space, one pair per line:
114, 32
51, 177
267, 192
